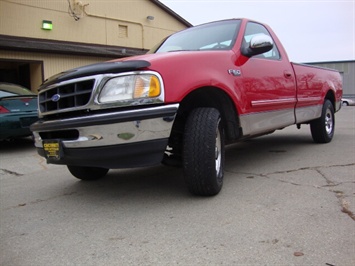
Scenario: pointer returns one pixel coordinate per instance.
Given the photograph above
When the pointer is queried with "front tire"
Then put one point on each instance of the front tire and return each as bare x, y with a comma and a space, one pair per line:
322, 129
87, 173
203, 152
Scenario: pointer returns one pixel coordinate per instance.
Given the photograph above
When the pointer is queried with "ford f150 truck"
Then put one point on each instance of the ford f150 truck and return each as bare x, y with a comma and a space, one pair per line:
182, 102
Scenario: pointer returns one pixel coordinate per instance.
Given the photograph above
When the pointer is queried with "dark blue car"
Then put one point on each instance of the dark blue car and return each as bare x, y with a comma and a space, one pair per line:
18, 110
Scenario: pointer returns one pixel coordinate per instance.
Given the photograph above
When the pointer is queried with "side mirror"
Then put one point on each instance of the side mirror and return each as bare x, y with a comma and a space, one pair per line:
258, 44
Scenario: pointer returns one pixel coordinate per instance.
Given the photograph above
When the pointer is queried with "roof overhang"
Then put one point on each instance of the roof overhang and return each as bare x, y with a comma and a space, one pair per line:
69, 48
172, 13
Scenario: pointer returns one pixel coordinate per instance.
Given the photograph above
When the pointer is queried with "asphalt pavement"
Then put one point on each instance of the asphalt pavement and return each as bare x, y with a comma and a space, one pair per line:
285, 201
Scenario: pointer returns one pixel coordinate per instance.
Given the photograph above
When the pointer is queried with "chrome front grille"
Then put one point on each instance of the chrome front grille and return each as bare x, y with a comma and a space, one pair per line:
66, 96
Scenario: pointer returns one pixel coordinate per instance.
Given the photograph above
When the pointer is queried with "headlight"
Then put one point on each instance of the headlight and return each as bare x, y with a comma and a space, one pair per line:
130, 87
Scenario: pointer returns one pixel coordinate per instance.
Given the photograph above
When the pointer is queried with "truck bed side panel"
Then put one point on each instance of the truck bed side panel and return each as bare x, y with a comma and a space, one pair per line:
314, 85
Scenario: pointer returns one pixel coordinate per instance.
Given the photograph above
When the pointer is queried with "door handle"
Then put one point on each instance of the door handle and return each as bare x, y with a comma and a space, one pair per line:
287, 74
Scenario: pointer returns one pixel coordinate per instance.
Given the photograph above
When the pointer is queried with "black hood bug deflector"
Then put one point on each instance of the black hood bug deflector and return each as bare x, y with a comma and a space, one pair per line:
95, 69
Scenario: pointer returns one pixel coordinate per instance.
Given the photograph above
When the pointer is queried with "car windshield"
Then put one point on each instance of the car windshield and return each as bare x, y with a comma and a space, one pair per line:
8, 89
212, 36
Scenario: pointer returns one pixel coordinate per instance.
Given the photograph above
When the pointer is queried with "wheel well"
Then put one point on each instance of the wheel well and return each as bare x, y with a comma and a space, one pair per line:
206, 97
331, 97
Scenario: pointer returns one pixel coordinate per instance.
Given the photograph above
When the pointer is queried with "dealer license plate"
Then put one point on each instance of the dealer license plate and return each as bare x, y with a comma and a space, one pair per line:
52, 149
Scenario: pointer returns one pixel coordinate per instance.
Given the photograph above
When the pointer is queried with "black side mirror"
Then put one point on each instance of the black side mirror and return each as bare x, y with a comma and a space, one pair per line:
258, 44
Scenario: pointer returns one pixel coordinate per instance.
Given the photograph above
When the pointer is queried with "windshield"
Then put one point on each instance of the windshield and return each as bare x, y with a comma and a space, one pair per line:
212, 36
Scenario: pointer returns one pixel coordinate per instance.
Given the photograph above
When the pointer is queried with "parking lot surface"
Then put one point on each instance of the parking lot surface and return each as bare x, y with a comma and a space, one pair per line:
285, 201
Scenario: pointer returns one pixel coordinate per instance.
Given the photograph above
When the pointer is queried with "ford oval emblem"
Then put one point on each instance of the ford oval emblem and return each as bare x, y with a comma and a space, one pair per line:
55, 98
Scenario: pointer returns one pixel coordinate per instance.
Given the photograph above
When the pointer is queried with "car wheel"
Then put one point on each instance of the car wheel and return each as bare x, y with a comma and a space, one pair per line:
203, 152
322, 129
87, 173
345, 104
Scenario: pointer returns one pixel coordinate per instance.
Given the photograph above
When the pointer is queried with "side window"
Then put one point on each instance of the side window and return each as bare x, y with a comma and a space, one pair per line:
253, 29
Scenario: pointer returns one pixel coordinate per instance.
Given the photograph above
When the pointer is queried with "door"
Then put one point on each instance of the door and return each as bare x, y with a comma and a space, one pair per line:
268, 88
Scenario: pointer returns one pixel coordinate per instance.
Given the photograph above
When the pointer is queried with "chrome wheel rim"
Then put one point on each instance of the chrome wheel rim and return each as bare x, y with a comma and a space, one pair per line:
218, 153
328, 122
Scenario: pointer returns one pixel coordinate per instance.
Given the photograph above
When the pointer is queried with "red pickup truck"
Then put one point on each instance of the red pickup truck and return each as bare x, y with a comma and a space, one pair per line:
181, 103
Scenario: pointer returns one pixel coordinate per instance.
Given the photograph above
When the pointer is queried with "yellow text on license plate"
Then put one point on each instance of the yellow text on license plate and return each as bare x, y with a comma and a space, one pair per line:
52, 149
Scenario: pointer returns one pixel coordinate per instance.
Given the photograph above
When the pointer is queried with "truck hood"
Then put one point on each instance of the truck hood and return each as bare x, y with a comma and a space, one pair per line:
148, 61
188, 57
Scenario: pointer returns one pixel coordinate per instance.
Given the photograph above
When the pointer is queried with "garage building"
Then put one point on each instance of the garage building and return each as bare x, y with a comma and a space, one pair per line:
41, 38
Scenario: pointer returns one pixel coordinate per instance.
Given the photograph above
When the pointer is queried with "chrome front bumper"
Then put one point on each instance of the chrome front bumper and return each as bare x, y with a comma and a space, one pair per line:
111, 128
112, 136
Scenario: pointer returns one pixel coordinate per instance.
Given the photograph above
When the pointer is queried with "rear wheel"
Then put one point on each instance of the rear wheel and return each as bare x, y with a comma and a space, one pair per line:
322, 129
203, 152
87, 173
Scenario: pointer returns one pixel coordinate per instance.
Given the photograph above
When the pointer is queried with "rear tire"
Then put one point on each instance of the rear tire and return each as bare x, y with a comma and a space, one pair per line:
322, 129
87, 173
203, 152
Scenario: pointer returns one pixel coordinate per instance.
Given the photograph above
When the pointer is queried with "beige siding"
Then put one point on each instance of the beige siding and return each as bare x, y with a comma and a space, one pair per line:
100, 24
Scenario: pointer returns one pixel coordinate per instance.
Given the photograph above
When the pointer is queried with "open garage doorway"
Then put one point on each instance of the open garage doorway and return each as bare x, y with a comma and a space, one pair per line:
23, 72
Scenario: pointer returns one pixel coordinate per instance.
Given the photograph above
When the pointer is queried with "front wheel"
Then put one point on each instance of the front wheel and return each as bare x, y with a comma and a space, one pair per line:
322, 129
87, 173
203, 152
